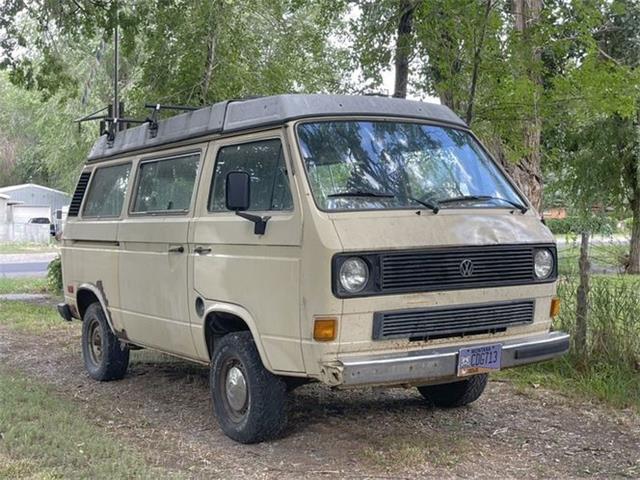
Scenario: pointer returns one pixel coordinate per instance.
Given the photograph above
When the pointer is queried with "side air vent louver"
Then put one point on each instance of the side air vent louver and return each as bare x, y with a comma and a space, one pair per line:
78, 194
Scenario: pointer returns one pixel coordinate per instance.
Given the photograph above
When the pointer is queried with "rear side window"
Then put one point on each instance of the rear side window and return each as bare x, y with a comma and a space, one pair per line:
166, 185
106, 191
264, 162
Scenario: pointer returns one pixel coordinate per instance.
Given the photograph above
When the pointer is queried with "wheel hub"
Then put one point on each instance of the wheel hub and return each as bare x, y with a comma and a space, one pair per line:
95, 343
236, 388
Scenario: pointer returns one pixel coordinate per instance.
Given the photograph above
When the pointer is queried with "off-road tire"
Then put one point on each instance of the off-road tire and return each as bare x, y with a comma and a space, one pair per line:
456, 394
263, 416
113, 360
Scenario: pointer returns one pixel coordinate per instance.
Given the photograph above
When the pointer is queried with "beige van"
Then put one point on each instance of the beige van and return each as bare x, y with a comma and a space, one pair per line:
347, 240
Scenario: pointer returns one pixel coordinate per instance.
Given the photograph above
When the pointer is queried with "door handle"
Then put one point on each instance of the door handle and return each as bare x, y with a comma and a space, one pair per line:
179, 249
201, 250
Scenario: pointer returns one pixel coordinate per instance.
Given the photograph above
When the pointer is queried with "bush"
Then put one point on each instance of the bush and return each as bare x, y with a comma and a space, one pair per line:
573, 225
54, 275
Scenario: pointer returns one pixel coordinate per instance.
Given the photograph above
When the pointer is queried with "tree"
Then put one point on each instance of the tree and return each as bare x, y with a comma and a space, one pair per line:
591, 139
175, 51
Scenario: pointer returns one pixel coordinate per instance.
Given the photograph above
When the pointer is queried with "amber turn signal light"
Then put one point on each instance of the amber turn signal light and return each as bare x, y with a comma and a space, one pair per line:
324, 329
555, 307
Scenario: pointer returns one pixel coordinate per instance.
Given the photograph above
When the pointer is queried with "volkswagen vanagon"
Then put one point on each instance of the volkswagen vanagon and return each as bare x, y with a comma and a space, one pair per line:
348, 240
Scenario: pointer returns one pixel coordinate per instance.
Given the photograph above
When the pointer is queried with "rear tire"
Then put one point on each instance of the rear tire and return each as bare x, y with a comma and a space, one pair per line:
249, 401
456, 394
105, 357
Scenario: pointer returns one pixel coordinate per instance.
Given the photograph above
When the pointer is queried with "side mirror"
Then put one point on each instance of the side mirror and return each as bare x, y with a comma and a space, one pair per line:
238, 199
238, 191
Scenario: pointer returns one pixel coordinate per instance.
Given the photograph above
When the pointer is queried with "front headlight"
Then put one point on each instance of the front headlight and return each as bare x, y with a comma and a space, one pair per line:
543, 263
354, 274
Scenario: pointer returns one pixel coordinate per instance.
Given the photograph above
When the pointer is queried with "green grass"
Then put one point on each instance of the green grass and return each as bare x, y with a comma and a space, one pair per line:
26, 247
616, 386
23, 285
29, 317
45, 437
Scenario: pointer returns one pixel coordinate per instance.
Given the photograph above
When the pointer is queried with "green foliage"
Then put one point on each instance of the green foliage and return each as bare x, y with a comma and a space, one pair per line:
600, 224
54, 275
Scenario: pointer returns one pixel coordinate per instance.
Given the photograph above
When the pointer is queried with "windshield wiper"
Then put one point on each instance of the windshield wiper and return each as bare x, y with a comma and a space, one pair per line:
361, 193
433, 205
522, 208
365, 193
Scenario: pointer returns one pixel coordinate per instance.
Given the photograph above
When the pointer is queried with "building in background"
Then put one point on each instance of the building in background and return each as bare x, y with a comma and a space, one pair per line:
27, 210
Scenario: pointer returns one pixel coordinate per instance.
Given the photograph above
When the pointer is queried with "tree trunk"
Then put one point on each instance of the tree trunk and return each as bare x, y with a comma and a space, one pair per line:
209, 64
477, 57
213, 13
582, 307
634, 250
527, 15
403, 48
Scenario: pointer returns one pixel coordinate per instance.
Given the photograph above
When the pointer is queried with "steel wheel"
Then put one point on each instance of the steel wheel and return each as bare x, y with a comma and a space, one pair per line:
95, 342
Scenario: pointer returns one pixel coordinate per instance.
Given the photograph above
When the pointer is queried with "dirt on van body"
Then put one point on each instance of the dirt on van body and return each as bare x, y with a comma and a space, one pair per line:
162, 408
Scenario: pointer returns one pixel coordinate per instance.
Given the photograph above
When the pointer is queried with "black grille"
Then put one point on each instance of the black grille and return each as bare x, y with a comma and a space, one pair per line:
443, 269
441, 322
78, 194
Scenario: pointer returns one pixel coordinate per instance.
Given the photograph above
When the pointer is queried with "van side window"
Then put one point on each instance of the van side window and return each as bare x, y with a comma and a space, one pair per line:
166, 185
106, 192
264, 161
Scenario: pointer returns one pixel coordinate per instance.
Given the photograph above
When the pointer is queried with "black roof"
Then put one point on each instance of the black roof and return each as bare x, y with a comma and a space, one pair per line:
237, 115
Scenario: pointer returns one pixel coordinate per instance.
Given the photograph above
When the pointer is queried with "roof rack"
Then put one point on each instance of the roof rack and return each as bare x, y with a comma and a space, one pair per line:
153, 120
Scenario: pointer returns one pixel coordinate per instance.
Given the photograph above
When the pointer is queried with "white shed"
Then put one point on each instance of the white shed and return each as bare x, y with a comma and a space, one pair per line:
4, 199
32, 195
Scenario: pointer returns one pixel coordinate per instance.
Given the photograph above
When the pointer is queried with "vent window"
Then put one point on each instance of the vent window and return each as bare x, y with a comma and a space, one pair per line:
78, 194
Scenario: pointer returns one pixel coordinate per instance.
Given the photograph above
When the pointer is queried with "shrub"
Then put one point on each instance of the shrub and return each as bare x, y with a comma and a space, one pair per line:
573, 225
54, 275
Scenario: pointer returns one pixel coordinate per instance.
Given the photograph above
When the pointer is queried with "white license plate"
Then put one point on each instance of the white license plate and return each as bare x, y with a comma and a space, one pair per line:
483, 359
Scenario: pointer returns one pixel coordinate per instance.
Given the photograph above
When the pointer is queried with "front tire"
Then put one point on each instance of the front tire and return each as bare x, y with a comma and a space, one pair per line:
105, 357
249, 401
456, 394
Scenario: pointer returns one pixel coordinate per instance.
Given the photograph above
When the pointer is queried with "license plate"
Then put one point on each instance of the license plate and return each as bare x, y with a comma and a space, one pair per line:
482, 359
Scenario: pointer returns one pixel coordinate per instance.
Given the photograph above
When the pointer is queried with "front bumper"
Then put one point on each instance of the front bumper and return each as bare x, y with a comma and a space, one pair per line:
436, 364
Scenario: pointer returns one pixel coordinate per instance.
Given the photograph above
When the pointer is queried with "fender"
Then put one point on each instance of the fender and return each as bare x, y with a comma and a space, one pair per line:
212, 306
99, 295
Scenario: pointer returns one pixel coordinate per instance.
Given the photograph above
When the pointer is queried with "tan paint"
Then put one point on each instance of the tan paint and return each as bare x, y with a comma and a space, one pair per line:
278, 282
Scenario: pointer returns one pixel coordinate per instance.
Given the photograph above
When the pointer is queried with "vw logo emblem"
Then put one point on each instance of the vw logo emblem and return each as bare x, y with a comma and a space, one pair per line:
466, 268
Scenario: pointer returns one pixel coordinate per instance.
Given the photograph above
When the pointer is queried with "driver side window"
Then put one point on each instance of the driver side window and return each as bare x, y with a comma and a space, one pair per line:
264, 162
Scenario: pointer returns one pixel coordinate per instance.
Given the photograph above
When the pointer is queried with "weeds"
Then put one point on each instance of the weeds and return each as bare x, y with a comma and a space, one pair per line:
610, 368
614, 318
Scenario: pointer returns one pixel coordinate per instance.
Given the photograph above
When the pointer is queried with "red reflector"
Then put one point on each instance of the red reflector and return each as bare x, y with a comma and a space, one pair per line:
70, 288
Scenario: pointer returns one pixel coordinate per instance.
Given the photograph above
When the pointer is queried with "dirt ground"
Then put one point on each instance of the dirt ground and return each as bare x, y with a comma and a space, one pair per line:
163, 408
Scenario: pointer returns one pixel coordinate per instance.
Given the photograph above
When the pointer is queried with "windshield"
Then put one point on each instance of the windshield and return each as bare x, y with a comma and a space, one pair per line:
390, 165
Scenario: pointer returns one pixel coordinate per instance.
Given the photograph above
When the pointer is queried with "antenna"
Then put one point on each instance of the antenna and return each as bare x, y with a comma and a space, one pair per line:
113, 120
